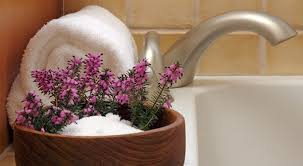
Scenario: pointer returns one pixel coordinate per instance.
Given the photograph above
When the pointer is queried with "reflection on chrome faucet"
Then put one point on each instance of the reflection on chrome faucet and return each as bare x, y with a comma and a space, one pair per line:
189, 48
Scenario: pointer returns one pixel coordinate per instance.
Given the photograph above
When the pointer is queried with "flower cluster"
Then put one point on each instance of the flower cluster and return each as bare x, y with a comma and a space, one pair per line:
140, 73
171, 74
84, 89
92, 70
35, 116
32, 105
106, 80
45, 80
61, 117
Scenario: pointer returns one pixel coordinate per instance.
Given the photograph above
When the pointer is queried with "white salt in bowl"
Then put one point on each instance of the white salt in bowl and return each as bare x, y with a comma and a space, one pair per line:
99, 126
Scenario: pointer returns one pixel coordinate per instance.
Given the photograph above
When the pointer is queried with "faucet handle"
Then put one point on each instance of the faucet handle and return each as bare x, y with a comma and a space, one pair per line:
151, 52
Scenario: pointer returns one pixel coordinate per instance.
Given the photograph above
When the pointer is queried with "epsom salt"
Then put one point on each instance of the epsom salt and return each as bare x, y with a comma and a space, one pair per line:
99, 126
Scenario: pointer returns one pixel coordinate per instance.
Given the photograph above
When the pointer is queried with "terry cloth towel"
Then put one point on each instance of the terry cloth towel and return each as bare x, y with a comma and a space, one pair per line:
93, 29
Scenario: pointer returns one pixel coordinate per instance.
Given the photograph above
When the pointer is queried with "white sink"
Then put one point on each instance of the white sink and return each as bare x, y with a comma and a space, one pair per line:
243, 121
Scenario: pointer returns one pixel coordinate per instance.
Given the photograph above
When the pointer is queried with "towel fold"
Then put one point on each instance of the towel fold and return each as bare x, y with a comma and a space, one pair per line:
93, 29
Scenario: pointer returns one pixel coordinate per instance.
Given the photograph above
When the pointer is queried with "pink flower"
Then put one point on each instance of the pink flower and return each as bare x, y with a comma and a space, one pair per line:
89, 111
63, 114
122, 98
74, 63
92, 69
28, 111
140, 73
167, 104
57, 120
48, 112
123, 85
127, 84
20, 120
68, 116
171, 75
31, 110
73, 118
42, 130
106, 78
44, 79
69, 90
93, 100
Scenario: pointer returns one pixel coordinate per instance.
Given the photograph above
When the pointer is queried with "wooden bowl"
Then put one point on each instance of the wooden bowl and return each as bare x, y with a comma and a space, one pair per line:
164, 146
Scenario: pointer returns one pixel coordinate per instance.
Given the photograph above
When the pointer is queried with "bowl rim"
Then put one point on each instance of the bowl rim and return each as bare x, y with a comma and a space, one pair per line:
178, 121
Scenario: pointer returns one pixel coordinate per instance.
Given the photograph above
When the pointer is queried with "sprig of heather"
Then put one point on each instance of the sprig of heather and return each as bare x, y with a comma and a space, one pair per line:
106, 79
69, 91
170, 76
31, 111
74, 65
92, 70
45, 80
140, 77
46, 119
132, 86
140, 74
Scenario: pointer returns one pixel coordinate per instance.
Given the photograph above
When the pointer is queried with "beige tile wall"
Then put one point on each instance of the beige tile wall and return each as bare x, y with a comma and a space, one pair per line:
210, 8
173, 18
286, 58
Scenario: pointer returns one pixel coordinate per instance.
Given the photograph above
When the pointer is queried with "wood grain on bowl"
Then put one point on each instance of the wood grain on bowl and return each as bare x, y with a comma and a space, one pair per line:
164, 146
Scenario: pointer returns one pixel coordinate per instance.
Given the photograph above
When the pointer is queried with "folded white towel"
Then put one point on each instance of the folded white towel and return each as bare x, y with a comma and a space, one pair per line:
92, 29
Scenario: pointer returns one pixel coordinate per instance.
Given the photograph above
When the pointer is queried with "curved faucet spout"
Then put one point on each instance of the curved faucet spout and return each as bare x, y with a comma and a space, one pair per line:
188, 49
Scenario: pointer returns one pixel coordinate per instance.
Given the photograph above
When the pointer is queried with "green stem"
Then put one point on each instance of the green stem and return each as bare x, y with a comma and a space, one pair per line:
56, 99
56, 102
162, 89
154, 113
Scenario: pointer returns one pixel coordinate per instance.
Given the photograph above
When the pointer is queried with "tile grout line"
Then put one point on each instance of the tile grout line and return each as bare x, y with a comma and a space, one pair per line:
180, 31
63, 8
196, 13
127, 8
159, 30
262, 46
6, 152
262, 55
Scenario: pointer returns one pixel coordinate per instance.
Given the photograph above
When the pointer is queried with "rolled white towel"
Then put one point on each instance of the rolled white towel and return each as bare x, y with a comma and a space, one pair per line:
93, 29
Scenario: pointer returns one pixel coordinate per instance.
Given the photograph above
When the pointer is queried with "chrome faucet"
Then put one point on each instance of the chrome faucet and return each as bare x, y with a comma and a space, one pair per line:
191, 46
